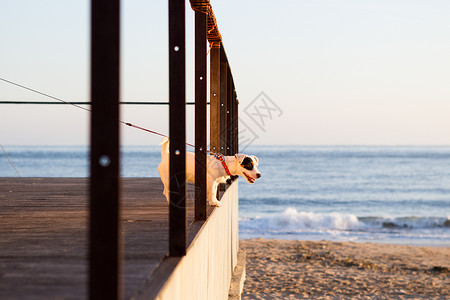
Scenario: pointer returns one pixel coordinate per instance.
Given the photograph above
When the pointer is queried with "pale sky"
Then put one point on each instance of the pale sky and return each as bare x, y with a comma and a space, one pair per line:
354, 72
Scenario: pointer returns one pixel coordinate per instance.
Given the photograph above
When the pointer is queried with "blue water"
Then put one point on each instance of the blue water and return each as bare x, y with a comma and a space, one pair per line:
386, 194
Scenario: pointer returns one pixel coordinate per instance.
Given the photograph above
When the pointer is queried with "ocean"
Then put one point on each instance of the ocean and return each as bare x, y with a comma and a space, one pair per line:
380, 194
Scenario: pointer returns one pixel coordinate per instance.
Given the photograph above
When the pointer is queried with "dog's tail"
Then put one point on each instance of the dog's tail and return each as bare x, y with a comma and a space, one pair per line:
165, 145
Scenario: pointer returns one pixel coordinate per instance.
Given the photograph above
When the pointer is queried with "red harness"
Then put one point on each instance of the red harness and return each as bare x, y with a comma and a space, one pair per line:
224, 164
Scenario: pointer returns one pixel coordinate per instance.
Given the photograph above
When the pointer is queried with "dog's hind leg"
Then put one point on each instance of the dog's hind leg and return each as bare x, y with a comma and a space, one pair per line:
165, 181
166, 193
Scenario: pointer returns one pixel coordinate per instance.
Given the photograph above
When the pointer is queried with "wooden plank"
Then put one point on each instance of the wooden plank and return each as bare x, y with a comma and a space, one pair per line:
105, 243
44, 230
177, 129
200, 115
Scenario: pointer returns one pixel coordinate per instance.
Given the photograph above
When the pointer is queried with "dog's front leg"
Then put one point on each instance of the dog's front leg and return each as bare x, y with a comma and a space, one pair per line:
212, 192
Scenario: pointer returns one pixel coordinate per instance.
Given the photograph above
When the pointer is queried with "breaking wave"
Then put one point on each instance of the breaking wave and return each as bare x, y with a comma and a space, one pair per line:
293, 220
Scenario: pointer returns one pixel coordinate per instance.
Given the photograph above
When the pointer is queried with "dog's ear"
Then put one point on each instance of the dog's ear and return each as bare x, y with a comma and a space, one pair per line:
255, 159
240, 157
164, 140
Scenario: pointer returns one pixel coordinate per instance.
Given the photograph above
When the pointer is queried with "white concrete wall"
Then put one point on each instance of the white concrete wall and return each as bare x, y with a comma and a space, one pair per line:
205, 272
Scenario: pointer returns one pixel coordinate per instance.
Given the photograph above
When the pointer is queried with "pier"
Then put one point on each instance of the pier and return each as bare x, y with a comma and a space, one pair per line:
44, 230
107, 237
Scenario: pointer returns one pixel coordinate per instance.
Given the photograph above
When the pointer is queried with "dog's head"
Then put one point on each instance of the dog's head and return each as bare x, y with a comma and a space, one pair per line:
246, 166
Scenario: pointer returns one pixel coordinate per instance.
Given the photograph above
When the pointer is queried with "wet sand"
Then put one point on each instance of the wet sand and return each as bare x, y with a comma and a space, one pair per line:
280, 269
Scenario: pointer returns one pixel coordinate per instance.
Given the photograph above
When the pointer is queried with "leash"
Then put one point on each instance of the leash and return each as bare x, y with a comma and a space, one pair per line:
218, 156
154, 132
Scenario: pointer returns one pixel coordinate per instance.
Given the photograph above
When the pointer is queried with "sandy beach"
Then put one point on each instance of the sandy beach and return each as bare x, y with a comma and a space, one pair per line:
280, 269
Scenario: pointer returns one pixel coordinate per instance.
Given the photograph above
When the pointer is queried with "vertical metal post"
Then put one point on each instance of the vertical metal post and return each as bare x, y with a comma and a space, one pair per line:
104, 236
177, 129
233, 103
223, 100
236, 120
214, 106
200, 115
230, 123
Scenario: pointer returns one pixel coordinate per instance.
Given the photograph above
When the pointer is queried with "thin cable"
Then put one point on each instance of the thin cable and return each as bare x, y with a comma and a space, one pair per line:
43, 94
10, 162
89, 103
86, 109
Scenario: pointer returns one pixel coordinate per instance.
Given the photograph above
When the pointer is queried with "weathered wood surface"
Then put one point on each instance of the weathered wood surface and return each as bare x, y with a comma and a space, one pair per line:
44, 235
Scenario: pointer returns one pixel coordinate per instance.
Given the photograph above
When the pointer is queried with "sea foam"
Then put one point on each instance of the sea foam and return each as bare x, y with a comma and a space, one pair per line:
291, 219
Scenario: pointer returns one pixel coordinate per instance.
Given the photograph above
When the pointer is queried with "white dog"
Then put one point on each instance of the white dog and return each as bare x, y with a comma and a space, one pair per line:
219, 169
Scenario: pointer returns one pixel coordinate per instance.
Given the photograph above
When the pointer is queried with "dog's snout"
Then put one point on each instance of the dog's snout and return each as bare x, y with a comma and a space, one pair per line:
258, 175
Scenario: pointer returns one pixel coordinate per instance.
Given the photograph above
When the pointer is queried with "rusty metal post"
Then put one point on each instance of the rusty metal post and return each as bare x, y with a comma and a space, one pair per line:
230, 114
104, 236
223, 101
200, 115
214, 106
177, 129
236, 121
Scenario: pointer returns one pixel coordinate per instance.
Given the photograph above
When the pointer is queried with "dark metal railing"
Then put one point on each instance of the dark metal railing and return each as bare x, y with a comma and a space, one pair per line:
105, 243
89, 103
200, 115
177, 129
223, 116
105, 253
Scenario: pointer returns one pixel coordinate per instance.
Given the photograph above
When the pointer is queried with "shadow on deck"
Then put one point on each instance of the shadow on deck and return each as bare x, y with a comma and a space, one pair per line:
44, 235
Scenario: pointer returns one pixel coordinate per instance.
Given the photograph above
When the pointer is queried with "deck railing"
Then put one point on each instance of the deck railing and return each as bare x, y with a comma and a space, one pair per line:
105, 255
105, 244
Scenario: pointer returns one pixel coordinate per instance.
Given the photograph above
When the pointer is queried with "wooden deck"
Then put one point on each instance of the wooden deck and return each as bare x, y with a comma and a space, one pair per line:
44, 235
